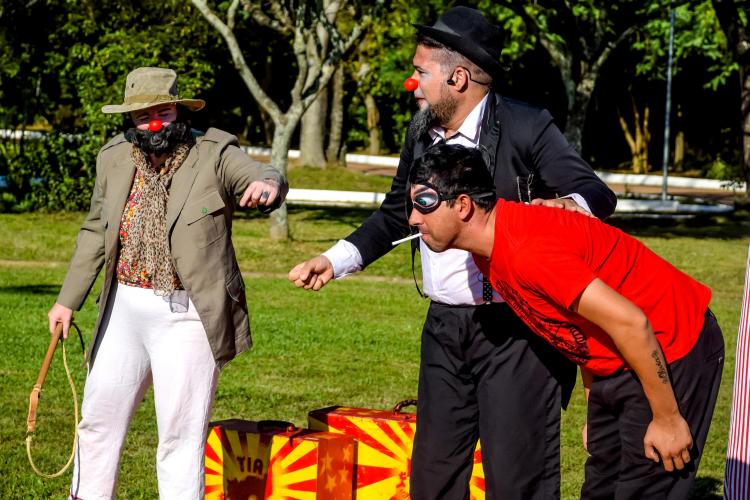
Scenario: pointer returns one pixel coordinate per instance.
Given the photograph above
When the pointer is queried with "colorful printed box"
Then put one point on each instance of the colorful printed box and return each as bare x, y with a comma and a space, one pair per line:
260, 460
382, 462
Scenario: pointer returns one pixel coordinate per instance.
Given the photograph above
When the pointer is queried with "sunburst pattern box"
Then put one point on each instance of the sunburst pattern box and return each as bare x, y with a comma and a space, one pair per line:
248, 460
382, 462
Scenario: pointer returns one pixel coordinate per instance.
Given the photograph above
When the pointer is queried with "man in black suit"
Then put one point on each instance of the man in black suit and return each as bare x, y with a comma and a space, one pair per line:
482, 373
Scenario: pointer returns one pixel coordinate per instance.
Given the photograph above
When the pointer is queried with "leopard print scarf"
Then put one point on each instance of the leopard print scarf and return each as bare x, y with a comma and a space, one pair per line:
147, 238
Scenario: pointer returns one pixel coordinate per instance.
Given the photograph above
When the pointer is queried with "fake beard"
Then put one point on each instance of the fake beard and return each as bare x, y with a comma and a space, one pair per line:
162, 142
421, 122
433, 115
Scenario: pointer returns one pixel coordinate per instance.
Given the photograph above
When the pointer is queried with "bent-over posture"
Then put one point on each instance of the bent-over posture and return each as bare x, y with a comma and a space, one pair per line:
650, 350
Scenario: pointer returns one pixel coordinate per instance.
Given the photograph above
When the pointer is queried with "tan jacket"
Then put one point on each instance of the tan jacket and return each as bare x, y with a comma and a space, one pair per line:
199, 220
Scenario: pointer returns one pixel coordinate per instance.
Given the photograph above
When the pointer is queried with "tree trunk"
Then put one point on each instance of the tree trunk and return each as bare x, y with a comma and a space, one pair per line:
373, 124
282, 137
312, 132
333, 153
315, 67
679, 151
266, 83
575, 123
678, 160
638, 140
570, 93
268, 126
577, 111
645, 140
313, 128
738, 39
631, 139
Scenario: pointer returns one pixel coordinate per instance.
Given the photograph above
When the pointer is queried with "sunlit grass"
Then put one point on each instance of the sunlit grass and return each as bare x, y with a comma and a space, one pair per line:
355, 343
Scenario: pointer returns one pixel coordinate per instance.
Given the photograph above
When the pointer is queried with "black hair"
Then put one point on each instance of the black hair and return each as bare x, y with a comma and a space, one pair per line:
449, 59
455, 170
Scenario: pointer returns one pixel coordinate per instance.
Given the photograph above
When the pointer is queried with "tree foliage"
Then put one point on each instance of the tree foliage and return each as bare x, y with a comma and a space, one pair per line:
303, 25
697, 34
61, 60
579, 38
733, 17
58, 85
379, 66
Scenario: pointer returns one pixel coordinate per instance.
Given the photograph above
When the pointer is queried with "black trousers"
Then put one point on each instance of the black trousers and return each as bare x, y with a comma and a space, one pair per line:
619, 414
483, 374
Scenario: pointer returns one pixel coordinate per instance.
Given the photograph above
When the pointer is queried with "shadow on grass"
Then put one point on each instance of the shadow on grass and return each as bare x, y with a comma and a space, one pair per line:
706, 488
31, 289
349, 216
732, 226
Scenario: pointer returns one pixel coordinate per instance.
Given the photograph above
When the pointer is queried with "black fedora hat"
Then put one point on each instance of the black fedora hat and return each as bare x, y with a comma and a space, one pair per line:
468, 32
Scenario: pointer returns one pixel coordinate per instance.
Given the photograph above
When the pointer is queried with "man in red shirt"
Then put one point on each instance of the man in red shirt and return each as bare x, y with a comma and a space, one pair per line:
650, 350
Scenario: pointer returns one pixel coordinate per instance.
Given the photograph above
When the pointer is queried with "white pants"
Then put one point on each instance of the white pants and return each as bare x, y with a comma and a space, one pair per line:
144, 343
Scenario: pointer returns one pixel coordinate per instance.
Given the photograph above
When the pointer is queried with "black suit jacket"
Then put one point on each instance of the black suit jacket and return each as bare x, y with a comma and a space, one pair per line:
528, 156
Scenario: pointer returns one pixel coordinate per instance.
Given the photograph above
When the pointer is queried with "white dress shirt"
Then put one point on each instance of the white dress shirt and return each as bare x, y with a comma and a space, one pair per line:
449, 277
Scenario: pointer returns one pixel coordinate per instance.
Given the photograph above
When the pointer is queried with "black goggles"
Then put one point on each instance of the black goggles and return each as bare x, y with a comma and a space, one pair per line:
427, 198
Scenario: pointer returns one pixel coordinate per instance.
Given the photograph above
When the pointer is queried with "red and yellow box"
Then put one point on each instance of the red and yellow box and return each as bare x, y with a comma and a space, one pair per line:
248, 460
382, 462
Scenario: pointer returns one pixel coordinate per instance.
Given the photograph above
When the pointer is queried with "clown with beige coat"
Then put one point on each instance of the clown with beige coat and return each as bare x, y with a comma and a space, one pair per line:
173, 309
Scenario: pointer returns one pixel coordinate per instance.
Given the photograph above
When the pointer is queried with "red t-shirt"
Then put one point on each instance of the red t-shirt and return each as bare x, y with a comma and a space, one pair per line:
544, 258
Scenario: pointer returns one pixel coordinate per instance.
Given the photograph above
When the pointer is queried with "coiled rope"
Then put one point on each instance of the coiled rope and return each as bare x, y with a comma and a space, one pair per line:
36, 392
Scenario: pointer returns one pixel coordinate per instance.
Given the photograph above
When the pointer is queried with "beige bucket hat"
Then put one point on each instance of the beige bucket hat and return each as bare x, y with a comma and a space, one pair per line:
146, 87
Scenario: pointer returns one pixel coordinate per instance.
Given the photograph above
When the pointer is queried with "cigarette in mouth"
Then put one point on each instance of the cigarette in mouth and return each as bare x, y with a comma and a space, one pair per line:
397, 242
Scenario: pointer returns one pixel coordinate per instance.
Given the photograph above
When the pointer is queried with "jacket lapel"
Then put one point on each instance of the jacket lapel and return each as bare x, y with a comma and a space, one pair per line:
119, 183
182, 182
489, 137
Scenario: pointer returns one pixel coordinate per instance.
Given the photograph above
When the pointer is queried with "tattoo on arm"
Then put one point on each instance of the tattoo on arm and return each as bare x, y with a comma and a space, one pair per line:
660, 368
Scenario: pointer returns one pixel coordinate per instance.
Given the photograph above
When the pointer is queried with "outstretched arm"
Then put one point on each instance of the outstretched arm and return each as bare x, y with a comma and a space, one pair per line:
389, 222
263, 193
668, 436
255, 184
312, 274
367, 243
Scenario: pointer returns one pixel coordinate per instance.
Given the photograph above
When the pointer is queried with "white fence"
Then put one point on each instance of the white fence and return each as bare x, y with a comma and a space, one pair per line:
608, 177
314, 197
323, 197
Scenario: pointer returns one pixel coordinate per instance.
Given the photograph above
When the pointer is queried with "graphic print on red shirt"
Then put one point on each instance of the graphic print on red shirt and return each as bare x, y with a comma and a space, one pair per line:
573, 346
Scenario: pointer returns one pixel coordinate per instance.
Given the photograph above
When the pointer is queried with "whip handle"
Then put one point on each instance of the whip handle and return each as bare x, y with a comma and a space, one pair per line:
34, 397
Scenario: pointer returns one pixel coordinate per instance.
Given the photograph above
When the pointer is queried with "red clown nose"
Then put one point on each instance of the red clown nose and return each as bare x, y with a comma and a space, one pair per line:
155, 125
410, 84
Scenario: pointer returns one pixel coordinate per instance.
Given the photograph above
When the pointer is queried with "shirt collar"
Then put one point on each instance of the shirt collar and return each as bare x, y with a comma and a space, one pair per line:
470, 127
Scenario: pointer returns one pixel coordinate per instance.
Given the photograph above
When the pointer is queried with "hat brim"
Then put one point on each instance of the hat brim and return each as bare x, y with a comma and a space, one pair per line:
191, 104
460, 44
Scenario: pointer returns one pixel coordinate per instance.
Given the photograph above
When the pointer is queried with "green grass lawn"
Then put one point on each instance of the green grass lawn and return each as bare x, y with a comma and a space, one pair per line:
337, 178
355, 343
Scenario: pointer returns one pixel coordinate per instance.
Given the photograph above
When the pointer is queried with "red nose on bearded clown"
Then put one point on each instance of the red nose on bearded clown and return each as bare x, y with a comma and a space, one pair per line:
159, 139
155, 125
410, 84
147, 88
